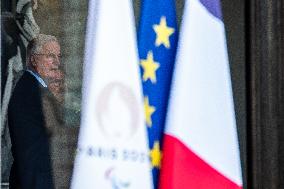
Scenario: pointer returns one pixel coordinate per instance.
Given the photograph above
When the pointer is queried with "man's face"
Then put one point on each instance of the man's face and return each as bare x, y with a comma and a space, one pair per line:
46, 63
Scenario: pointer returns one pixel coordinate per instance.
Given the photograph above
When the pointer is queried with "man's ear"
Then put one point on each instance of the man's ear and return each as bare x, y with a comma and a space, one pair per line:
33, 61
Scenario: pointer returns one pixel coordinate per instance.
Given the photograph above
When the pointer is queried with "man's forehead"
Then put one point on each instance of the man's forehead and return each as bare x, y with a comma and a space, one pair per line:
51, 46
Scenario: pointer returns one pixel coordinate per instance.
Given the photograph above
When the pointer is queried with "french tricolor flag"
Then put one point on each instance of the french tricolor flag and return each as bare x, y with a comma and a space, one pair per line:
200, 149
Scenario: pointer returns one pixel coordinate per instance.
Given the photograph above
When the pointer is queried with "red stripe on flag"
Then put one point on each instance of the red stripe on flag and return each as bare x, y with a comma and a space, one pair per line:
182, 169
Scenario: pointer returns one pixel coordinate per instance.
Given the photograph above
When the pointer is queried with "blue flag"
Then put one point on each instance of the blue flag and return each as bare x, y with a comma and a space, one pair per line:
157, 41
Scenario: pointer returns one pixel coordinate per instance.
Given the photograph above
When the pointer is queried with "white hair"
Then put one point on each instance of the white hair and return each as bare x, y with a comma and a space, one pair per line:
35, 45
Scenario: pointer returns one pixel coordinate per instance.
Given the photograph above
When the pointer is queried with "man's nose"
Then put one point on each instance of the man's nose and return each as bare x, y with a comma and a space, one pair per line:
56, 61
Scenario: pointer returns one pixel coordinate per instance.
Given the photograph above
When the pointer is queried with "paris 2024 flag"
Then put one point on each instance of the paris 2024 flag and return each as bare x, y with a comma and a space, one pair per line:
113, 146
201, 148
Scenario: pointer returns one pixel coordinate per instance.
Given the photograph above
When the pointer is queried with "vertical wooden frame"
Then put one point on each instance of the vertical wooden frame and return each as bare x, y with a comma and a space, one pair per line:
265, 45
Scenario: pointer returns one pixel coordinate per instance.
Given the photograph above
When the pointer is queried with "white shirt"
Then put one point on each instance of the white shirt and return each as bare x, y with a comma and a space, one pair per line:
40, 80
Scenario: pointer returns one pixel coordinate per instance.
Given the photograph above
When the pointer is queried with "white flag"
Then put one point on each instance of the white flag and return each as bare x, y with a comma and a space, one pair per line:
112, 148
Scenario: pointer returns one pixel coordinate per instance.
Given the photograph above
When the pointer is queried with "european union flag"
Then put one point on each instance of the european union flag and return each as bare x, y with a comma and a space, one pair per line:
157, 41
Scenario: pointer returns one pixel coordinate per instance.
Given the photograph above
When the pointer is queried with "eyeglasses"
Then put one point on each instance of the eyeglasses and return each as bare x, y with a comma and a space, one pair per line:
50, 56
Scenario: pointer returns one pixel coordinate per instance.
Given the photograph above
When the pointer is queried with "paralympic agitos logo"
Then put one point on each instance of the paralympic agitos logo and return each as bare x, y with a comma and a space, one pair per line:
116, 182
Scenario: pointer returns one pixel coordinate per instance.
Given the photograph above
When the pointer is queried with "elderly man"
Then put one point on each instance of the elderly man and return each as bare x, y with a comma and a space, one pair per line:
29, 135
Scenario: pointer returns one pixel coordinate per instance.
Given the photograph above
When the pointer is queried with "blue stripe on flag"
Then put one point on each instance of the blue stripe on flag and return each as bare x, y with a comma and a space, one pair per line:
213, 6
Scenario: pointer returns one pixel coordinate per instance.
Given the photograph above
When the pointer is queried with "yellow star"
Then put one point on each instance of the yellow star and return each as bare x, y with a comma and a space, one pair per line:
149, 110
150, 67
156, 155
163, 33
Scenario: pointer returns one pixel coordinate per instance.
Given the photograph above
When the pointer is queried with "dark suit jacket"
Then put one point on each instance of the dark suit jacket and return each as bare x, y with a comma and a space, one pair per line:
30, 147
